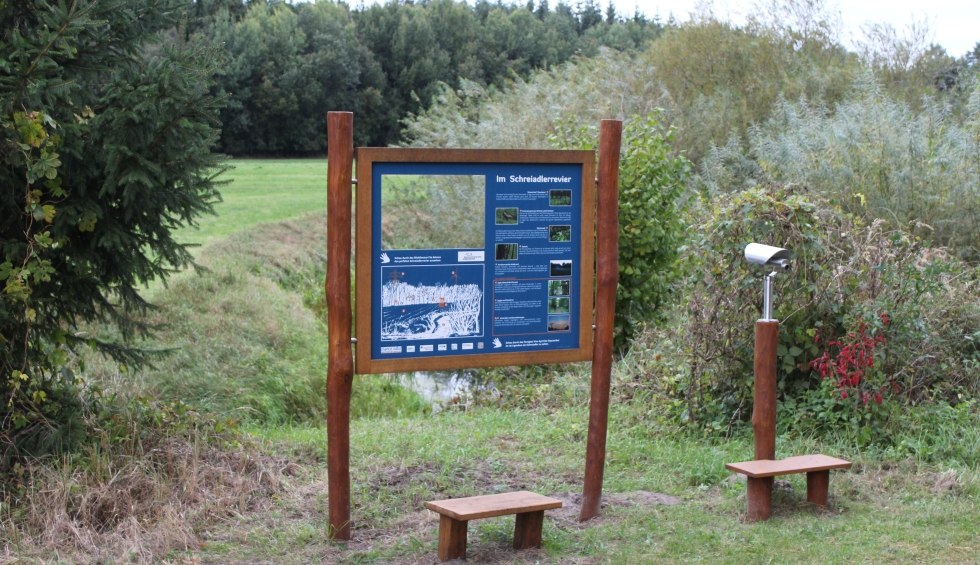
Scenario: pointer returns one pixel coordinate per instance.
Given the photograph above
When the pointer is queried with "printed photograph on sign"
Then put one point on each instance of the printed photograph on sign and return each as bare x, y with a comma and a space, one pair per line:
440, 301
560, 198
506, 252
561, 268
558, 305
560, 233
414, 208
506, 216
559, 323
558, 288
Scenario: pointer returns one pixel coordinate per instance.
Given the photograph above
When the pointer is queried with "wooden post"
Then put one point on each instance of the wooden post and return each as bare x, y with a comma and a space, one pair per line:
340, 362
817, 487
607, 275
527, 529
759, 491
759, 495
764, 399
452, 538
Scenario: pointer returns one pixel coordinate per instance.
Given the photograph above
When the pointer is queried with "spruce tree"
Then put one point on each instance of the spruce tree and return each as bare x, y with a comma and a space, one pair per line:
106, 129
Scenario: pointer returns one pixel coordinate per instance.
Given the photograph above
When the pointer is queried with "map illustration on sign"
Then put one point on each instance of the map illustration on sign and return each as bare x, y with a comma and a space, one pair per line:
420, 303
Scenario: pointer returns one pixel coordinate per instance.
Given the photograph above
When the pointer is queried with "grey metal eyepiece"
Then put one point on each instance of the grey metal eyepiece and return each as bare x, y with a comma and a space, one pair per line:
776, 258
768, 256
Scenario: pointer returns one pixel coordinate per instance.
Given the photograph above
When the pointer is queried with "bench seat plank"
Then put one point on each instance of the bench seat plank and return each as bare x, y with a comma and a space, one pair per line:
800, 464
489, 506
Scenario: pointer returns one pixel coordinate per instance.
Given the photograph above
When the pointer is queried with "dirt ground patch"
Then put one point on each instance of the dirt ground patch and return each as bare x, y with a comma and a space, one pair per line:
391, 526
572, 504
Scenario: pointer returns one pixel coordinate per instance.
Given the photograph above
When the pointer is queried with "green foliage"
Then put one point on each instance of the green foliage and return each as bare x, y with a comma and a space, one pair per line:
528, 113
799, 146
651, 181
874, 157
711, 80
849, 284
909, 65
928, 432
422, 46
284, 68
725, 295
288, 63
105, 133
723, 79
388, 61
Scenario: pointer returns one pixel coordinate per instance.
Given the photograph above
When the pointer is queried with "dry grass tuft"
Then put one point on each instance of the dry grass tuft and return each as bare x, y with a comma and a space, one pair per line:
138, 509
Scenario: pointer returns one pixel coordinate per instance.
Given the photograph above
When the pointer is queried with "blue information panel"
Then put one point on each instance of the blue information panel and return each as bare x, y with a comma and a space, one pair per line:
502, 275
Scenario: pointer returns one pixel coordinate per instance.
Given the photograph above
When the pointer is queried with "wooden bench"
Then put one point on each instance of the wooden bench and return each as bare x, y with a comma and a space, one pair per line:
455, 513
760, 474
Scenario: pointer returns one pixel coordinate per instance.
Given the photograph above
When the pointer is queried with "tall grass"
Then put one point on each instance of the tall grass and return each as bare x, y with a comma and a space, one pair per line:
240, 344
247, 338
874, 156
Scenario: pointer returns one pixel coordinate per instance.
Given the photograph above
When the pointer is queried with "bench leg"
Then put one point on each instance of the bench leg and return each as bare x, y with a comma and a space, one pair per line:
452, 538
760, 499
817, 485
527, 530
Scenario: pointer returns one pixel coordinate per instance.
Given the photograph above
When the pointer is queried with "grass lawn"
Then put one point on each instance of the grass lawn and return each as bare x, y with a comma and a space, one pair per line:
261, 191
667, 498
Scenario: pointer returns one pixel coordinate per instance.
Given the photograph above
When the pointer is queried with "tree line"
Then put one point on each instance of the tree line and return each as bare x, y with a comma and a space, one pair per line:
283, 65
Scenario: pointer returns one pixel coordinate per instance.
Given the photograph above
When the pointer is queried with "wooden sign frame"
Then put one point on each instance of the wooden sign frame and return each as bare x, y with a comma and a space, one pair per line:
340, 364
488, 161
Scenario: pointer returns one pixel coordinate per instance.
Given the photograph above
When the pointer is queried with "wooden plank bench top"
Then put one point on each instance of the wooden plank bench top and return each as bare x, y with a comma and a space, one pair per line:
800, 464
455, 514
491, 505
760, 475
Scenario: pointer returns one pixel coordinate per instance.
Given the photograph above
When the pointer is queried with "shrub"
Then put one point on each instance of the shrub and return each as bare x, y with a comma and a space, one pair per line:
874, 157
529, 112
868, 307
651, 180
723, 79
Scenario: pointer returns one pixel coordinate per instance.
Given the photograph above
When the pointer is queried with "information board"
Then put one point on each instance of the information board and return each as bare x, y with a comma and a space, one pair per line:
469, 258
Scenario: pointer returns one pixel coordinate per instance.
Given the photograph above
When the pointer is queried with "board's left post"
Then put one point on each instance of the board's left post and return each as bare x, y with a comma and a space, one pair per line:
340, 361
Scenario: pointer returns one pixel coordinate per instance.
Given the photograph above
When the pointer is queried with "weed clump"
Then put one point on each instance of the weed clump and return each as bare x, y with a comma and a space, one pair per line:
154, 475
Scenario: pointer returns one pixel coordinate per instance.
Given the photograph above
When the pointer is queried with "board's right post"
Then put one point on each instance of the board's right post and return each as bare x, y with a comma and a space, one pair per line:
607, 276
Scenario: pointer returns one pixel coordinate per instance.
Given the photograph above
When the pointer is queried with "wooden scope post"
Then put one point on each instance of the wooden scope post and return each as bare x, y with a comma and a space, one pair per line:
760, 472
